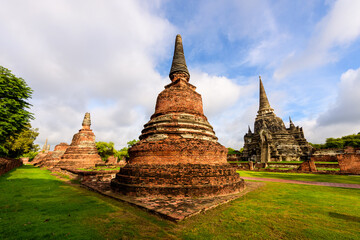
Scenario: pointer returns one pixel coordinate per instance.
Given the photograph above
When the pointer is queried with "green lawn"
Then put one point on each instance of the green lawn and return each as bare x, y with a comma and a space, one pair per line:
303, 176
35, 205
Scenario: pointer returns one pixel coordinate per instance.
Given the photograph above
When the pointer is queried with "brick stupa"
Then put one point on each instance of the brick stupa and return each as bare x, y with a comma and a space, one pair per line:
178, 154
82, 152
52, 158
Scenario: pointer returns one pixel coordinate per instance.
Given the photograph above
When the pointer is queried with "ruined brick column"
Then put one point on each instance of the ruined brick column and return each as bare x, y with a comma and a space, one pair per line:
178, 153
82, 152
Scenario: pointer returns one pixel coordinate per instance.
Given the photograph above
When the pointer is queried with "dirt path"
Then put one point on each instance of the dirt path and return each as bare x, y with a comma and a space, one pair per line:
328, 184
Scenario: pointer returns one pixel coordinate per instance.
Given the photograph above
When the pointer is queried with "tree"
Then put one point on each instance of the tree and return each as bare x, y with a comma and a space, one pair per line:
349, 140
124, 152
14, 115
105, 150
132, 143
21, 143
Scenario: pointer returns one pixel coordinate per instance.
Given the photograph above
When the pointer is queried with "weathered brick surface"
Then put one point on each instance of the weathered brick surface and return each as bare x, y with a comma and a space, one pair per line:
52, 158
92, 176
40, 158
307, 166
349, 163
7, 164
82, 152
324, 158
182, 180
178, 153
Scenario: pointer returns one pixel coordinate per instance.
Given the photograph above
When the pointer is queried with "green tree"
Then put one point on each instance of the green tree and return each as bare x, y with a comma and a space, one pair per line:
21, 143
349, 140
105, 150
132, 143
31, 155
14, 115
124, 152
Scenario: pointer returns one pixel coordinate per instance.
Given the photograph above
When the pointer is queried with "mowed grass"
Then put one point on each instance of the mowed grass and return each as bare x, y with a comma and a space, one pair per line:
354, 179
35, 205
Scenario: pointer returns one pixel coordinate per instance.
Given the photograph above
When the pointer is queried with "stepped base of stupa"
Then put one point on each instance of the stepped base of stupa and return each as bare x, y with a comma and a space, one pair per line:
180, 180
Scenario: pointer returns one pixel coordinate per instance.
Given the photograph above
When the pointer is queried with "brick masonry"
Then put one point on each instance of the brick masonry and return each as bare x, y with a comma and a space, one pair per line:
82, 152
7, 164
178, 154
349, 163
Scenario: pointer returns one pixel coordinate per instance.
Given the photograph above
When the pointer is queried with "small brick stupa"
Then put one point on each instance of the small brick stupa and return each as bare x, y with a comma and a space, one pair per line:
54, 157
178, 154
82, 152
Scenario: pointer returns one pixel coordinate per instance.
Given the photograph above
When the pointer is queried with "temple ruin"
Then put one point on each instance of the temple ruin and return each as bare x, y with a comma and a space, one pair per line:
40, 157
53, 158
271, 140
82, 152
178, 154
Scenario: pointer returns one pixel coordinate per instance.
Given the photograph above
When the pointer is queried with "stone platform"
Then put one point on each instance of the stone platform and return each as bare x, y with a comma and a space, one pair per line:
181, 180
174, 209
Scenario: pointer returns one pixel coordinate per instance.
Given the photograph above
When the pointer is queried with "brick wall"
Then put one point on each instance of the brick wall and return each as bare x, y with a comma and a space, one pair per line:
349, 163
7, 164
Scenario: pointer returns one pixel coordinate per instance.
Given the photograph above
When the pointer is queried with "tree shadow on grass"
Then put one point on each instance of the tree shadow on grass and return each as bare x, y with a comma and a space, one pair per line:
345, 217
34, 205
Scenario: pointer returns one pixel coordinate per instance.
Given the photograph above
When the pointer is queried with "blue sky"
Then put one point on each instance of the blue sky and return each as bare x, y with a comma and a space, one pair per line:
112, 58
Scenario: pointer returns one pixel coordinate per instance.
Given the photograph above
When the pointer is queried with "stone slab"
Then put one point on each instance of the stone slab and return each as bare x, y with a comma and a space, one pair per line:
174, 209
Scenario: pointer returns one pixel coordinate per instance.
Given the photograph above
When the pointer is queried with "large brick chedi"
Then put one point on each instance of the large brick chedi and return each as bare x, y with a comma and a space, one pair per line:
271, 140
178, 153
82, 152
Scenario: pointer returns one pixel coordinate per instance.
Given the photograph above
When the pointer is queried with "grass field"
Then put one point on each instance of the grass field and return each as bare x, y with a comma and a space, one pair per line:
36, 205
355, 179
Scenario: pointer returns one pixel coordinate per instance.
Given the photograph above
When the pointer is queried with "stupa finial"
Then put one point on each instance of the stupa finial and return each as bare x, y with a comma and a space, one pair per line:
87, 121
178, 66
291, 123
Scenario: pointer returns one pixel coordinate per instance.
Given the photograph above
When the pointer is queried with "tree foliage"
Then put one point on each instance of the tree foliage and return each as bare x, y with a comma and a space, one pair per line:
349, 140
20, 143
16, 134
14, 93
233, 151
107, 149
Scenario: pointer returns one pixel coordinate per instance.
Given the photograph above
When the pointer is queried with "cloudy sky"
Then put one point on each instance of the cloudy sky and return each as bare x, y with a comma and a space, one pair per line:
112, 58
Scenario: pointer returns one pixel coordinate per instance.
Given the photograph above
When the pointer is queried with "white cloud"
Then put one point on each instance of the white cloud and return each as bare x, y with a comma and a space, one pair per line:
87, 56
342, 116
337, 30
228, 106
345, 109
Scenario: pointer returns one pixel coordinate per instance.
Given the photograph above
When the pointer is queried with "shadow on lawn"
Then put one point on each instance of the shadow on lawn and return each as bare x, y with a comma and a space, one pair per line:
345, 217
41, 207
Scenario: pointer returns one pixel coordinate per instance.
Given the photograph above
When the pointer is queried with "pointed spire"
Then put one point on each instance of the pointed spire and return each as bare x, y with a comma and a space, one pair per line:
249, 129
45, 145
264, 105
86, 122
178, 64
291, 123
